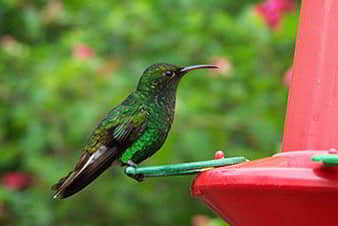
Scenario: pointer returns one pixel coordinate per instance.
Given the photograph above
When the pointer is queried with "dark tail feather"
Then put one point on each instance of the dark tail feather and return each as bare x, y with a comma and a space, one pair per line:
84, 173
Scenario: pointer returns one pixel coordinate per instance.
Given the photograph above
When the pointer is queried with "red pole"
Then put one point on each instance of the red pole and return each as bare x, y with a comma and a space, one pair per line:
312, 119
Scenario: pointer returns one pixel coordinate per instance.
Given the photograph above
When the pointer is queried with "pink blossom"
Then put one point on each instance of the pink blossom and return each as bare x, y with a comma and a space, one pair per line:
200, 220
273, 10
288, 77
7, 41
83, 52
16, 180
224, 64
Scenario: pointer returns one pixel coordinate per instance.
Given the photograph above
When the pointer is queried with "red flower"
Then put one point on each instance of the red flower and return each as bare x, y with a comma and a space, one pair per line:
272, 10
16, 180
83, 52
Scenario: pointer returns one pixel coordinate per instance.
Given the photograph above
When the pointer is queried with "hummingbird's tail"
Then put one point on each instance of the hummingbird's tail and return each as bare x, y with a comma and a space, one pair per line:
90, 166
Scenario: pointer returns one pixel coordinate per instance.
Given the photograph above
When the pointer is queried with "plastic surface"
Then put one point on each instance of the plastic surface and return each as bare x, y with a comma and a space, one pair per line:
289, 189
313, 100
286, 189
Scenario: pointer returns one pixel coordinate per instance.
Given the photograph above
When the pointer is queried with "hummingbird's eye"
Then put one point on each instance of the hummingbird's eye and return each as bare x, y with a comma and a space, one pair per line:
169, 73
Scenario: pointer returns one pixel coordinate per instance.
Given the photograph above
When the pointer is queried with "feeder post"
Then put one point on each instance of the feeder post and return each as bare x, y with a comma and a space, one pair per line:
312, 117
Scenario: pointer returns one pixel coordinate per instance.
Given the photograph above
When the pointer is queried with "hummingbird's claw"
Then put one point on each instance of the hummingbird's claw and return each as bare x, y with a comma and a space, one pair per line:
137, 177
131, 163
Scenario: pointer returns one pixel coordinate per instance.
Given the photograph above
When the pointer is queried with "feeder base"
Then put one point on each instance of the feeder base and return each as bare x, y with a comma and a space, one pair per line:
286, 189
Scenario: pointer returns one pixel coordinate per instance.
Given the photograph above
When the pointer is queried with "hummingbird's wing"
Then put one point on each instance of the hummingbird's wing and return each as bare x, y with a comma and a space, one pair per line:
109, 139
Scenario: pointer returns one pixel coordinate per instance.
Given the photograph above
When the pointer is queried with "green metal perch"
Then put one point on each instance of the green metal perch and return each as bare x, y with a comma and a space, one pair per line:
327, 160
182, 168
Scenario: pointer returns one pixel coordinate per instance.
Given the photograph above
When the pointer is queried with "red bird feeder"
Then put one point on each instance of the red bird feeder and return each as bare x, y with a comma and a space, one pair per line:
289, 188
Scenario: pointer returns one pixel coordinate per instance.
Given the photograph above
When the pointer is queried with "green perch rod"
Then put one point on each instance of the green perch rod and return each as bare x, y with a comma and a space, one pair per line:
182, 168
327, 160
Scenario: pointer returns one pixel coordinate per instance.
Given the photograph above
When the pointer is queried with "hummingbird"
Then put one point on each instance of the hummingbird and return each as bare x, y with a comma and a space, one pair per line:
132, 131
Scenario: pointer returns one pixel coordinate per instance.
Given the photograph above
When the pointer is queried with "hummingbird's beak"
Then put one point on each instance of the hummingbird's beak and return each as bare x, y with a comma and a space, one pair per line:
190, 68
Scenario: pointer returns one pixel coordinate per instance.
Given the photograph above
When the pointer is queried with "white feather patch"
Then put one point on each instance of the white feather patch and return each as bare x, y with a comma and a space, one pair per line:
93, 157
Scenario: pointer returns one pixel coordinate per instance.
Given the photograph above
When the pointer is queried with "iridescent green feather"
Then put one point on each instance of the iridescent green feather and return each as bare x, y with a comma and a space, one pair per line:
121, 126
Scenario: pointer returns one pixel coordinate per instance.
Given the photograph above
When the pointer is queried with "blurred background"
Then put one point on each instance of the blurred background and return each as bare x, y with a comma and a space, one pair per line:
64, 64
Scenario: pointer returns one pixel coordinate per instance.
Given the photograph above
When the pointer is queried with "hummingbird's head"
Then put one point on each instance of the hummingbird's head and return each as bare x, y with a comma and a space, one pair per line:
165, 77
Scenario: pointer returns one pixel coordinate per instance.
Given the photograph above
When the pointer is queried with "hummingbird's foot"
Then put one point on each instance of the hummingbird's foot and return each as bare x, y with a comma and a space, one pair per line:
137, 177
131, 163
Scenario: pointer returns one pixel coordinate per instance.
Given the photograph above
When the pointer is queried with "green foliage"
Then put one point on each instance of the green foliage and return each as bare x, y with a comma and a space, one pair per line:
51, 97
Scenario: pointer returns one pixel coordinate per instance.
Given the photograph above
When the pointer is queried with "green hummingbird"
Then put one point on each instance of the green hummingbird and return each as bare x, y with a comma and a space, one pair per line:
132, 131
